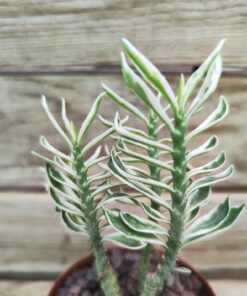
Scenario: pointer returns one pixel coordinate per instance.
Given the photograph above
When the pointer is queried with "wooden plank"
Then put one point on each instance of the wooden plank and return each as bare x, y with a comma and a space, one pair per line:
16, 288
229, 287
22, 120
35, 245
75, 32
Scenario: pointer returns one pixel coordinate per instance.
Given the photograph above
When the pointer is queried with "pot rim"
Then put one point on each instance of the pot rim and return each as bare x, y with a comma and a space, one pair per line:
86, 261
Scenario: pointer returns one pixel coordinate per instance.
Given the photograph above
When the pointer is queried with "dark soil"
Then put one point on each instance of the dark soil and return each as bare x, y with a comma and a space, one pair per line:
84, 282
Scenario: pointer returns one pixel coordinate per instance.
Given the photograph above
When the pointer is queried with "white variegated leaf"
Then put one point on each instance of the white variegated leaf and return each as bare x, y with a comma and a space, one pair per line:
115, 220
53, 121
219, 113
197, 76
90, 117
210, 144
211, 166
150, 73
45, 144
69, 125
125, 241
140, 88
125, 104
209, 180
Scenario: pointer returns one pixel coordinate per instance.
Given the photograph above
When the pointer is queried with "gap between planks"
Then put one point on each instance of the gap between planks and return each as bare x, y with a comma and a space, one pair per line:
106, 69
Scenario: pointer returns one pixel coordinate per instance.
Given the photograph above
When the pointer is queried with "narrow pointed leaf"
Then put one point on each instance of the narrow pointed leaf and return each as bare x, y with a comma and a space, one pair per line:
208, 87
140, 88
197, 76
220, 112
225, 223
68, 220
45, 144
150, 73
213, 165
97, 140
125, 241
53, 121
146, 191
127, 134
141, 224
146, 159
69, 125
209, 180
131, 175
152, 213
90, 117
125, 104
198, 197
210, 144
115, 220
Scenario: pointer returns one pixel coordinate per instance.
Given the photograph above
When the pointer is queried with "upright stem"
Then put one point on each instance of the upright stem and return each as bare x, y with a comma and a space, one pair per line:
155, 174
106, 275
155, 284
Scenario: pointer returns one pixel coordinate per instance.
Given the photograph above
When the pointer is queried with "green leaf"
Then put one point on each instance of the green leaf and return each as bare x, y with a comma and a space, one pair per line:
53, 121
209, 180
142, 140
216, 221
69, 125
117, 196
208, 87
114, 218
98, 140
219, 113
73, 224
145, 159
64, 205
120, 171
141, 224
192, 215
125, 241
140, 88
153, 214
125, 104
210, 144
90, 117
150, 73
198, 198
211, 166
197, 76
45, 144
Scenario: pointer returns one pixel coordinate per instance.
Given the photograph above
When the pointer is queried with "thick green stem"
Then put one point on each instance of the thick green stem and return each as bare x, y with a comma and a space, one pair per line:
155, 284
106, 275
155, 174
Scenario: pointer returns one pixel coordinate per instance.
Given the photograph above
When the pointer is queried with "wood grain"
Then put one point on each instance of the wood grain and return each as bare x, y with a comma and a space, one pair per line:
22, 120
41, 288
59, 33
35, 244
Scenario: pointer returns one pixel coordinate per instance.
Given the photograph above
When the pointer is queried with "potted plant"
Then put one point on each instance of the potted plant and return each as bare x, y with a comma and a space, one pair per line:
145, 193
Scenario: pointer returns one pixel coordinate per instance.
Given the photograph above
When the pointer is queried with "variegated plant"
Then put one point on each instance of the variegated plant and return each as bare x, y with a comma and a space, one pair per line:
149, 169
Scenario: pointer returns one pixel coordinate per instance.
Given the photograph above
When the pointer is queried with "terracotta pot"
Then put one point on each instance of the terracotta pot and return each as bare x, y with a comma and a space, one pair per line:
87, 261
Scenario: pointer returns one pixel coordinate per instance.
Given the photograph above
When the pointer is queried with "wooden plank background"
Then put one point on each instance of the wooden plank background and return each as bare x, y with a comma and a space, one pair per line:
23, 120
67, 48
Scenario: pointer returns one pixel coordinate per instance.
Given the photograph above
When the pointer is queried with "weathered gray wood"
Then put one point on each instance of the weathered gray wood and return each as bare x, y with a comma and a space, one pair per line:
22, 120
34, 244
17, 288
85, 32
